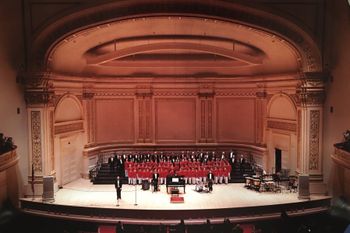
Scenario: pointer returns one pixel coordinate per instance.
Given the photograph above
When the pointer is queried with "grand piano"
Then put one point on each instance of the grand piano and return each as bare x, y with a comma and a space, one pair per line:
175, 182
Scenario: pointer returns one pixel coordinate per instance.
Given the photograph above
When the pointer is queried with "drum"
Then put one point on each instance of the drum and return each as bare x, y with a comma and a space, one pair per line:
248, 182
256, 183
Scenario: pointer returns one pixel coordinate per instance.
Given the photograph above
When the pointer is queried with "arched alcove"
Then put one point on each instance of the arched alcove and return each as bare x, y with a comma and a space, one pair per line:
281, 134
69, 139
282, 107
68, 109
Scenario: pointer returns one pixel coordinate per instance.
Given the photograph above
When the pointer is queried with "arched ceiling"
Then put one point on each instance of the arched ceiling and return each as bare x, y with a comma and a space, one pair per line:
153, 38
172, 46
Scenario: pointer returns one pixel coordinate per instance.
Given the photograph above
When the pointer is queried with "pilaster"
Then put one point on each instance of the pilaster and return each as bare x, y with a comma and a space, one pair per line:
311, 96
144, 114
206, 96
40, 110
89, 107
261, 106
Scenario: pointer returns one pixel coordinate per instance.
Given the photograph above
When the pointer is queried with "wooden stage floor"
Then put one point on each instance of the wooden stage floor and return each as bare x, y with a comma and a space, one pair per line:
230, 197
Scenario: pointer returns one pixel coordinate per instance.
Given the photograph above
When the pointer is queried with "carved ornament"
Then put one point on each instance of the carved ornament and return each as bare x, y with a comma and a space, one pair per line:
36, 140
39, 97
314, 139
238, 93
310, 91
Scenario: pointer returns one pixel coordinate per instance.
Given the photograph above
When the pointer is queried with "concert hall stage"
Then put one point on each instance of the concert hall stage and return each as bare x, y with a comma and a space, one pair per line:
81, 200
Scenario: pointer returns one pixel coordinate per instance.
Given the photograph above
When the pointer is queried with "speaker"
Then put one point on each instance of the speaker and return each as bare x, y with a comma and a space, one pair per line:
145, 184
48, 188
304, 187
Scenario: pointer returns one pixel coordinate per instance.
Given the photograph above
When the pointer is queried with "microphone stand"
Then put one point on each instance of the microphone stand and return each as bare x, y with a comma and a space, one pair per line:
136, 191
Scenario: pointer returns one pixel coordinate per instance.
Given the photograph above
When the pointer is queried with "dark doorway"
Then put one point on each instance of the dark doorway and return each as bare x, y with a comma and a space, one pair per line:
278, 160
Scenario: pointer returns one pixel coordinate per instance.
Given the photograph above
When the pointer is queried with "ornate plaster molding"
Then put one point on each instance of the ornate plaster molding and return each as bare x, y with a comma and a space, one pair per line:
283, 29
310, 91
115, 93
175, 93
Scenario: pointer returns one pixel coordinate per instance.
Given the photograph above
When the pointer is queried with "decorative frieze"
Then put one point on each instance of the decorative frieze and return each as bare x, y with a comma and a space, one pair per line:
314, 139
238, 93
78, 126
36, 140
281, 125
175, 93
115, 94
299, 140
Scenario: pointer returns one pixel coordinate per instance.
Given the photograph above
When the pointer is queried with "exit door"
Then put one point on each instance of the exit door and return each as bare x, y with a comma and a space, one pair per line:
278, 160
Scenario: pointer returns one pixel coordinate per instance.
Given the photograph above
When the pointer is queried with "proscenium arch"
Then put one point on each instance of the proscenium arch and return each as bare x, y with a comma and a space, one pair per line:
100, 14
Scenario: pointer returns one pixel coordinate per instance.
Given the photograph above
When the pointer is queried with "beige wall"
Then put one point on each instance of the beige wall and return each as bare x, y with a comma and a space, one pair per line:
338, 91
11, 97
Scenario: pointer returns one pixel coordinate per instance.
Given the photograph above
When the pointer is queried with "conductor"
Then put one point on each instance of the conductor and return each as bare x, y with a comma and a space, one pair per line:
155, 178
118, 186
210, 177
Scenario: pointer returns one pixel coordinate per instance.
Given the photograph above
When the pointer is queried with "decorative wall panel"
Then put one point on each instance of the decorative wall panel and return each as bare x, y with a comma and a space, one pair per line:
235, 119
299, 140
65, 128
36, 140
314, 139
175, 120
115, 120
282, 125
